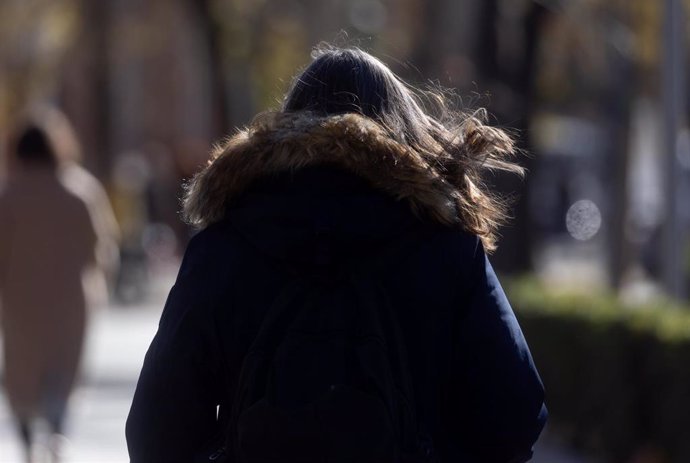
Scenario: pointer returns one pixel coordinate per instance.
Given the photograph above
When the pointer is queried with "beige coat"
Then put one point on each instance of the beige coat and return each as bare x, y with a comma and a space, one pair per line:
49, 237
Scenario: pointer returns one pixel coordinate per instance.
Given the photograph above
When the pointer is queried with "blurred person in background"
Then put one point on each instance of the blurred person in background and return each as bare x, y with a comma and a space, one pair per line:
58, 240
352, 175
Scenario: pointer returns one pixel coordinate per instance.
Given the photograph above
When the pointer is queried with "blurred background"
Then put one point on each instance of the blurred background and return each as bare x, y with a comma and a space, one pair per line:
596, 260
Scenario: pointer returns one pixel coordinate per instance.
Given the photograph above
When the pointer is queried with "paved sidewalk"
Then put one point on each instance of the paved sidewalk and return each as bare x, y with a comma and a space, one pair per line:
115, 349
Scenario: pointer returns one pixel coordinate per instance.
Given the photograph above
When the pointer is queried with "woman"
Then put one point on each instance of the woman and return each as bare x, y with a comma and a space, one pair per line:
351, 168
55, 226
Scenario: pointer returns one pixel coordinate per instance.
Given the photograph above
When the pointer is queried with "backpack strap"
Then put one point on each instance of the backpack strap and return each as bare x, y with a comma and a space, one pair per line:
417, 443
224, 446
272, 331
382, 314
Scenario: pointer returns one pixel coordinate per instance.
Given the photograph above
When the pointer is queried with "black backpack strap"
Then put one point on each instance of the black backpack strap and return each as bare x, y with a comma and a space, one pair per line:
272, 331
224, 446
378, 305
364, 276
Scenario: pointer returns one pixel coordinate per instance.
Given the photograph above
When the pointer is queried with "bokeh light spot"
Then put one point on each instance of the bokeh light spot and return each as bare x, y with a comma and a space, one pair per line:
583, 220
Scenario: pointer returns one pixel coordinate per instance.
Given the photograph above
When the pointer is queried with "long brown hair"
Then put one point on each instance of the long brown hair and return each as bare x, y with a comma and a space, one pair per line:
459, 145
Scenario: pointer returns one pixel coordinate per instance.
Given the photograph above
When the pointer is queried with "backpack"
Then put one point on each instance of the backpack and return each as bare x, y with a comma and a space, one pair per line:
326, 378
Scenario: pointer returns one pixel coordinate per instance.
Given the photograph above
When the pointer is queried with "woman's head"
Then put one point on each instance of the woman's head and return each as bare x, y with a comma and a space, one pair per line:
34, 148
352, 81
460, 146
43, 138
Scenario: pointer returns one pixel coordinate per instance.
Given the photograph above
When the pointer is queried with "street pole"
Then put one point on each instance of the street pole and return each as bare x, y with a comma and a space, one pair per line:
674, 95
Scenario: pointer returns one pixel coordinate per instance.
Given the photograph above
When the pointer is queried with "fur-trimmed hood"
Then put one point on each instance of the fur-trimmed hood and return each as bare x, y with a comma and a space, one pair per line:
280, 142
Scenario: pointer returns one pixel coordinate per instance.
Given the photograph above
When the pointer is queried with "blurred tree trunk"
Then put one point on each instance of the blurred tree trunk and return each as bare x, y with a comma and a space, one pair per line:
509, 76
426, 56
85, 92
674, 96
213, 41
618, 112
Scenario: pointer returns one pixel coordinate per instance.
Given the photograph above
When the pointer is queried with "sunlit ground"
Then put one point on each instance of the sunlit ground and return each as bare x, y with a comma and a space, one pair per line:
115, 350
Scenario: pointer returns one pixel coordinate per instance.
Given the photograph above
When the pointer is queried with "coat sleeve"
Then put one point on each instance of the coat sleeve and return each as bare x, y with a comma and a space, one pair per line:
173, 412
496, 399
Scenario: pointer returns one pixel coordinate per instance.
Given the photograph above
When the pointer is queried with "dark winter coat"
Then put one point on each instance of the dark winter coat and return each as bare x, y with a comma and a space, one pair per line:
309, 192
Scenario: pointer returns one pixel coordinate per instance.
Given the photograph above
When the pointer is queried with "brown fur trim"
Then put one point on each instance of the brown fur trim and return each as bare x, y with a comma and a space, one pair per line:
278, 142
